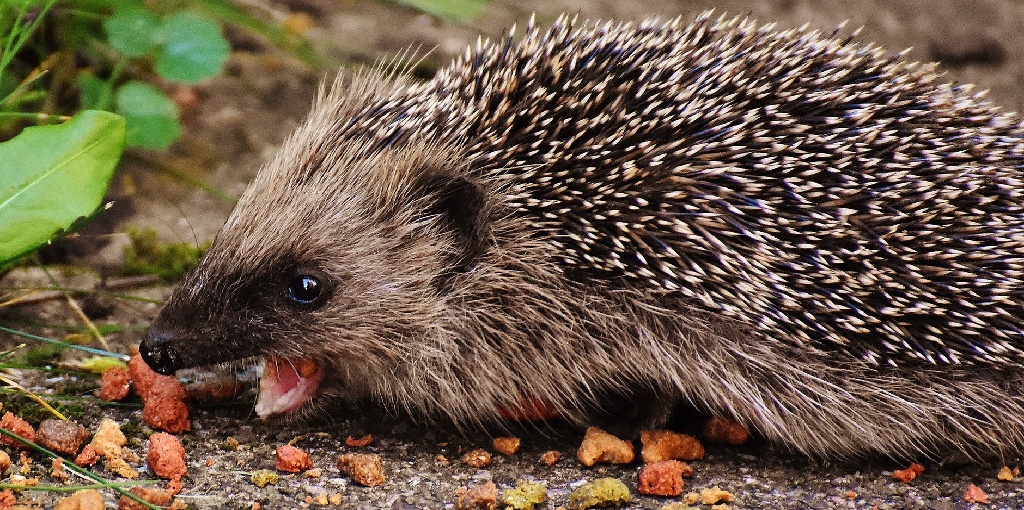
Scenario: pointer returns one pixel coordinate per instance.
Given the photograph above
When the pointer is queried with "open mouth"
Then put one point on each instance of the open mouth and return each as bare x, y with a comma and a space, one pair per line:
287, 383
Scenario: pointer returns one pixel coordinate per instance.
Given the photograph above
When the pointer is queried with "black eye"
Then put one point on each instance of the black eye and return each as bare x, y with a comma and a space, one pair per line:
304, 289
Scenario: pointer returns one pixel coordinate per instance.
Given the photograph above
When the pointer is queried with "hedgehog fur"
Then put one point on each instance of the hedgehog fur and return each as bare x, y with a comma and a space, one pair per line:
793, 229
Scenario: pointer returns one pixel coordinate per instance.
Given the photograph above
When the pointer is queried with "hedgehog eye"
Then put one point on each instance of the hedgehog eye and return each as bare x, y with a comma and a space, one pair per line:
304, 289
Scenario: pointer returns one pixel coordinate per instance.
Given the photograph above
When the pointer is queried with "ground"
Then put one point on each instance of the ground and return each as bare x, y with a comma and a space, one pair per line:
235, 122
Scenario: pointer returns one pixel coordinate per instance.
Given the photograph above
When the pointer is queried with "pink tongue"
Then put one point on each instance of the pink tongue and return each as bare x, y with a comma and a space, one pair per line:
286, 385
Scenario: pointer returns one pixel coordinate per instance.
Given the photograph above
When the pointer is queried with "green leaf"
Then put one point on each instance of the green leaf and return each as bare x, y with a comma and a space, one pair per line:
97, 364
96, 94
152, 116
132, 31
459, 11
193, 49
54, 175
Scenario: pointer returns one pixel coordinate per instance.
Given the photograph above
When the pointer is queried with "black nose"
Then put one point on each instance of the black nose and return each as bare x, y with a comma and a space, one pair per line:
156, 351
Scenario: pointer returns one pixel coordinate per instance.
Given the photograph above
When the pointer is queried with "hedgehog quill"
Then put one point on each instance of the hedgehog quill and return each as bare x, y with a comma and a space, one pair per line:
792, 229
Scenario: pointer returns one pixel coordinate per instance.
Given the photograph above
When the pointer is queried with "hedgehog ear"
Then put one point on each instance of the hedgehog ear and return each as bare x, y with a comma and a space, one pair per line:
461, 206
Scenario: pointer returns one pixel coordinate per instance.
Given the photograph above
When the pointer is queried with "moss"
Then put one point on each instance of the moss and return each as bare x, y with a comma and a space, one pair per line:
132, 432
71, 411
30, 410
170, 261
43, 355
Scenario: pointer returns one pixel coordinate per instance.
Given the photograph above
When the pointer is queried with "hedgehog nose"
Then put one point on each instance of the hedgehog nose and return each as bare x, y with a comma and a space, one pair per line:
156, 351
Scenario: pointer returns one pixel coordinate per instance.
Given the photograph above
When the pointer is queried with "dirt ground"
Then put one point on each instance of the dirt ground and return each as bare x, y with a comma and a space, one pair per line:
237, 121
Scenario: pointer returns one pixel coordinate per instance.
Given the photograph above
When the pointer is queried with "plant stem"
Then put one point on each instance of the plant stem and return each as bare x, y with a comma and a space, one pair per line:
72, 488
101, 352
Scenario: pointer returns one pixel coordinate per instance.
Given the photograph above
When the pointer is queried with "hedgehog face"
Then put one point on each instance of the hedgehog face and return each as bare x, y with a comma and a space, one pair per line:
329, 282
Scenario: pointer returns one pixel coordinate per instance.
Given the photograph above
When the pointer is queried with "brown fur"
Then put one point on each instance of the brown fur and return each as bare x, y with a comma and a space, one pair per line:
444, 308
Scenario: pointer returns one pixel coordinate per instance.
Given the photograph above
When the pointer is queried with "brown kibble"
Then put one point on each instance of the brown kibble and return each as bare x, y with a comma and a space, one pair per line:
907, 475
291, 459
163, 398
57, 470
507, 445
87, 457
5, 463
334, 499
600, 446
164, 406
22, 481
477, 458
62, 436
141, 375
359, 443
168, 415
714, 495
720, 507
7, 499
174, 486
725, 431
220, 388
19, 427
549, 458
479, 497
26, 462
108, 439
691, 498
974, 494
114, 384
107, 442
663, 478
659, 445
364, 468
313, 473
153, 495
88, 499
1005, 474
120, 467
166, 456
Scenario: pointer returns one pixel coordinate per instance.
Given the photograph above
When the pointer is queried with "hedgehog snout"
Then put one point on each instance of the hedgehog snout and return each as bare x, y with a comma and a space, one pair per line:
156, 350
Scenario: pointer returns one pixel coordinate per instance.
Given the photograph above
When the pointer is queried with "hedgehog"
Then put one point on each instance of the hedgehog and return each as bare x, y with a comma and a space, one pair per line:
790, 228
